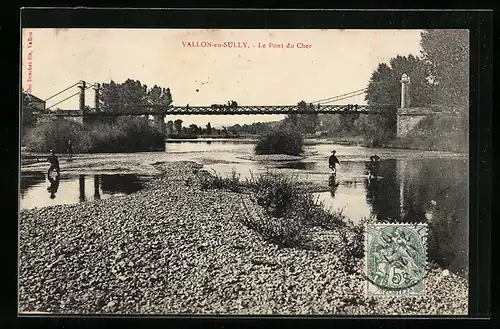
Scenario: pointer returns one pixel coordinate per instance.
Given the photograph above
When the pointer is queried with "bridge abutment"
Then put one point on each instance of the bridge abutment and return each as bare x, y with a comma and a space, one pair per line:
408, 117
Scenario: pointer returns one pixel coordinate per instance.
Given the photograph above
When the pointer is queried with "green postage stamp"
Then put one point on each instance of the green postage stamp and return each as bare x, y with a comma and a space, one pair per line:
395, 259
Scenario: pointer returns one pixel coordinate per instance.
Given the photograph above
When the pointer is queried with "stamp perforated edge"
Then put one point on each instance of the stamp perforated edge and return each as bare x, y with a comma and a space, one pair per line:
423, 234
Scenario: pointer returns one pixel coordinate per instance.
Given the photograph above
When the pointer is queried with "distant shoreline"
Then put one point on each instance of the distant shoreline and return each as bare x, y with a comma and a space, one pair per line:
28, 157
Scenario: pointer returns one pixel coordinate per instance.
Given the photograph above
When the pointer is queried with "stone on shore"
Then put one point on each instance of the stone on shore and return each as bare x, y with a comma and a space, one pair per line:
174, 249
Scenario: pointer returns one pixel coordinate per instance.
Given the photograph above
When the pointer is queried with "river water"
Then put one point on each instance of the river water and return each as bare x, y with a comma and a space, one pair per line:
415, 186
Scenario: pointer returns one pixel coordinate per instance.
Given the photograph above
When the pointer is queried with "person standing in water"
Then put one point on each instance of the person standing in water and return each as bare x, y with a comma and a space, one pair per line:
54, 163
70, 150
333, 161
374, 165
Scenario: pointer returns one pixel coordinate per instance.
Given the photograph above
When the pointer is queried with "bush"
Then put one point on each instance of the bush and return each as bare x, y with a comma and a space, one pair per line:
352, 237
287, 232
55, 135
287, 212
377, 130
274, 192
107, 138
216, 181
126, 135
280, 141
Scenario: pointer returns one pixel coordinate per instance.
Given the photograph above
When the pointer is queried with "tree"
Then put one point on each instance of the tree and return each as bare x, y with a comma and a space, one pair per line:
109, 97
305, 123
159, 96
447, 53
28, 118
194, 130
308, 123
384, 87
178, 126
236, 129
170, 127
131, 95
209, 129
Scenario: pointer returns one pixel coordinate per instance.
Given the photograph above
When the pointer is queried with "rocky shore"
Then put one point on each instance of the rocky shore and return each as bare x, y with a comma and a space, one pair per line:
172, 248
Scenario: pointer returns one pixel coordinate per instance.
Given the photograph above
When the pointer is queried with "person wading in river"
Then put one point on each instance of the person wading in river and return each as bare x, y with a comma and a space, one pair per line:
374, 165
332, 162
70, 150
54, 163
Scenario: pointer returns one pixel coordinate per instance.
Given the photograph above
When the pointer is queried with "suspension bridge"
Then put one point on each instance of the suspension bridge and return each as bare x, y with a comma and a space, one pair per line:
347, 103
343, 103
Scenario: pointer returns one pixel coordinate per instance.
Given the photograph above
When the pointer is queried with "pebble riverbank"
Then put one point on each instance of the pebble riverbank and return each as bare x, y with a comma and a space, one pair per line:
172, 248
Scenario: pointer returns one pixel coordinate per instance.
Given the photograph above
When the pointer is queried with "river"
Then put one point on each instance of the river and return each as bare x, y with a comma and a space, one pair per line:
415, 186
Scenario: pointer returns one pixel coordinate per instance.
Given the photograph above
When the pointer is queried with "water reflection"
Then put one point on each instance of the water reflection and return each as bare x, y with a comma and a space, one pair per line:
333, 183
31, 179
120, 183
81, 184
299, 165
383, 193
414, 186
432, 191
54, 184
67, 189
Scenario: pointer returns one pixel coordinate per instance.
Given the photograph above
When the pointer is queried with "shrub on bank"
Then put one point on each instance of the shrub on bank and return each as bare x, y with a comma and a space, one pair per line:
280, 141
216, 181
55, 135
288, 231
287, 211
126, 135
274, 192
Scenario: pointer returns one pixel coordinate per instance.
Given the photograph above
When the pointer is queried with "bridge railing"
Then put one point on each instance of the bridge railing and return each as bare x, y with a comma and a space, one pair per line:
153, 109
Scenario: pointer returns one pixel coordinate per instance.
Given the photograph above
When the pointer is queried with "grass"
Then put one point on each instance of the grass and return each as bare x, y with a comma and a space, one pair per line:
280, 141
286, 212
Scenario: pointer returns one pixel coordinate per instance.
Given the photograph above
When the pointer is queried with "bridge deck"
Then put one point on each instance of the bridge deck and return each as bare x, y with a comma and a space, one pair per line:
248, 110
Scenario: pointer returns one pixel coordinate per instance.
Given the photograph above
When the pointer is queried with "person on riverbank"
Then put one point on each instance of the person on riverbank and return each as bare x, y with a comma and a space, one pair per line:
333, 161
374, 165
54, 163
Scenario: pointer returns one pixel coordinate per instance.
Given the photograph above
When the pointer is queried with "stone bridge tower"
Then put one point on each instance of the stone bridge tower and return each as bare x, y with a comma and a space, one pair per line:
408, 117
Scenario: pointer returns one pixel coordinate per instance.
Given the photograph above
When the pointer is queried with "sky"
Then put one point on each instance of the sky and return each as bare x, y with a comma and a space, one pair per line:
334, 62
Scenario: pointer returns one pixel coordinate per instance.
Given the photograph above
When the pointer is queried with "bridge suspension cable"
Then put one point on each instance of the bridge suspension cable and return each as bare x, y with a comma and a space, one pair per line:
340, 97
90, 86
351, 96
61, 91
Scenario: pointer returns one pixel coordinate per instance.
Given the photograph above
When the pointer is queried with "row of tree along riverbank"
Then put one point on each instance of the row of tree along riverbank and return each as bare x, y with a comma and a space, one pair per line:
433, 83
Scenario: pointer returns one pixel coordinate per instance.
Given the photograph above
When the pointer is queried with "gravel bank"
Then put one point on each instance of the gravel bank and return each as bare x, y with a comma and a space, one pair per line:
172, 248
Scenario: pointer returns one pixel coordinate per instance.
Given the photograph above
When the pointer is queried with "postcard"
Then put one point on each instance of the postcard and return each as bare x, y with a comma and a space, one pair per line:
244, 172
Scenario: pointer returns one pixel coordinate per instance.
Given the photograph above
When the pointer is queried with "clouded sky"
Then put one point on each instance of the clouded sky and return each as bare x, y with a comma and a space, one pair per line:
337, 62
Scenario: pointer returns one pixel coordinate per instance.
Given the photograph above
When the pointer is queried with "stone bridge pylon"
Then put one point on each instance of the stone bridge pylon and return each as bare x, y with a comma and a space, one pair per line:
408, 117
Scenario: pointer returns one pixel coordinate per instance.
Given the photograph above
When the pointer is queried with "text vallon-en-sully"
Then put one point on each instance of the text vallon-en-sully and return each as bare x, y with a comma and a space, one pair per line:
244, 44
